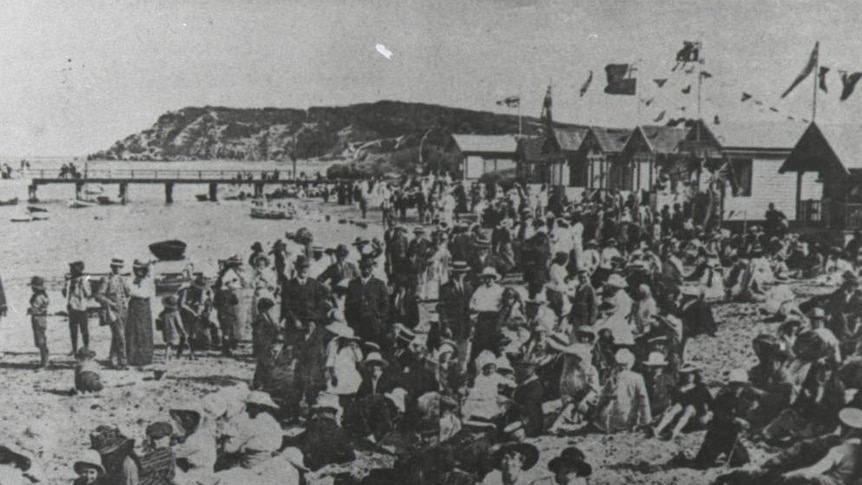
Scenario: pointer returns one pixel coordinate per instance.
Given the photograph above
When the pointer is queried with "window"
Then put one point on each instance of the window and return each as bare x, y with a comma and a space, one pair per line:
621, 175
741, 177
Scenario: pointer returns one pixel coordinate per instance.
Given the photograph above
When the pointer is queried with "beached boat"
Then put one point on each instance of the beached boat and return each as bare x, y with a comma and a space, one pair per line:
80, 204
271, 213
171, 250
27, 218
105, 200
33, 208
9, 201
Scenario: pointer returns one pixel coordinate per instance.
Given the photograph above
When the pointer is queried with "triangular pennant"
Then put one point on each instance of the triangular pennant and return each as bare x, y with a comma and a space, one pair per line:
586, 84
660, 117
758, 102
822, 78
705, 75
676, 66
686, 89
745, 97
689, 70
849, 82
660, 82
774, 110
648, 102
791, 118
812, 61
716, 120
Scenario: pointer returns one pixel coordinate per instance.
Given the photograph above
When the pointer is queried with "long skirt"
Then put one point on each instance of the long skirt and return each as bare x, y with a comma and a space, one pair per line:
139, 332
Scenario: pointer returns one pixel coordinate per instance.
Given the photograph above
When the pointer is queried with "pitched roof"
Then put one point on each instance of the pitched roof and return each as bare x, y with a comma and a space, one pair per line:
846, 142
611, 140
662, 139
757, 135
570, 138
486, 143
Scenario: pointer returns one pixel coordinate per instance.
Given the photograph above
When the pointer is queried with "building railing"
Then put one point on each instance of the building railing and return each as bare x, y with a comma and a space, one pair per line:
827, 213
811, 211
227, 175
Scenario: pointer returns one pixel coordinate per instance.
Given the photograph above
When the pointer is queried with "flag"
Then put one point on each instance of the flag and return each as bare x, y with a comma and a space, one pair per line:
546, 108
660, 82
648, 102
791, 118
774, 110
618, 83
690, 52
686, 89
705, 75
849, 82
822, 78
660, 117
745, 97
586, 84
510, 102
716, 120
758, 102
689, 70
812, 61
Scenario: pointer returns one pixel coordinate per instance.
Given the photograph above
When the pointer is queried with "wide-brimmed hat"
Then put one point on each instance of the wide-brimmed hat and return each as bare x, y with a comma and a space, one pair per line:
851, 417
117, 262
624, 357
200, 281
89, 459
295, 457
655, 359
327, 400
138, 264
737, 376
485, 358
18, 457
573, 458
376, 359
616, 281
233, 260
447, 345
37, 283
342, 250
187, 417
504, 364
482, 242
361, 241
116, 444
479, 422
459, 267
257, 246
159, 429
688, 368
398, 397
261, 398
489, 272
301, 262
528, 451
341, 330
170, 302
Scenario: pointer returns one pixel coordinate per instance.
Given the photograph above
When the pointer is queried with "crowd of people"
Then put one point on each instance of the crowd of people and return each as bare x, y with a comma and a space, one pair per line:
525, 315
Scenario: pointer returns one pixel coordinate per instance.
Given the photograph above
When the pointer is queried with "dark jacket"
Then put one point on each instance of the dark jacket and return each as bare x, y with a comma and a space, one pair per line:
453, 308
305, 302
367, 308
404, 310
385, 384
336, 272
584, 306
324, 443
844, 314
528, 398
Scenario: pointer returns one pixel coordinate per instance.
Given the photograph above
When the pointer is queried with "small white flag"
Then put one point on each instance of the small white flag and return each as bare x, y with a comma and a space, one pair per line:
383, 51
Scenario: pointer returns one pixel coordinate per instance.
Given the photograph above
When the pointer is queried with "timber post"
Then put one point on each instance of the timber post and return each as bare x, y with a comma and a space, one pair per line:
79, 186
213, 192
124, 191
169, 193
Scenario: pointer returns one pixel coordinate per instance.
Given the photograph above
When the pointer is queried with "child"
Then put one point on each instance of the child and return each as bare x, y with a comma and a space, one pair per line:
171, 325
89, 469
691, 403
87, 372
158, 465
38, 312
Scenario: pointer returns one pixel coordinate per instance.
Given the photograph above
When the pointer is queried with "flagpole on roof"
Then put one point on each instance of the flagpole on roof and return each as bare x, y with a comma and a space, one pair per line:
519, 111
815, 77
699, 61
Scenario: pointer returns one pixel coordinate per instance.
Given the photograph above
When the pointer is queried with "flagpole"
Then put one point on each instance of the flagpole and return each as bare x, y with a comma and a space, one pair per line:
815, 77
519, 112
699, 76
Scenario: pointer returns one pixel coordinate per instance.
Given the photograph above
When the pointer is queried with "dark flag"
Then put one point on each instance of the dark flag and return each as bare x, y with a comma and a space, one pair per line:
758, 102
648, 102
690, 52
660, 82
822, 78
618, 83
809, 67
745, 97
660, 117
716, 120
774, 110
686, 89
705, 75
586, 84
546, 108
849, 82
689, 70
510, 102
791, 118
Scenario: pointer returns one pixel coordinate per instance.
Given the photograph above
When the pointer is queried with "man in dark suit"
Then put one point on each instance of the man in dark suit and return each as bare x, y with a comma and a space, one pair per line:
396, 254
453, 307
527, 400
584, 311
303, 300
844, 308
339, 270
367, 305
534, 259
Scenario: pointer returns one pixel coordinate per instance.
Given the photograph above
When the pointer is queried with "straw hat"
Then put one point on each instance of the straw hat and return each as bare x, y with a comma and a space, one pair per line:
851, 417
489, 272
528, 451
479, 423
200, 281
376, 359
624, 357
485, 358
616, 281
328, 400
89, 459
295, 457
655, 359
398, 397
261, 398
738, 376
117, 262
459, 267
688, 368
340, 329
504, 364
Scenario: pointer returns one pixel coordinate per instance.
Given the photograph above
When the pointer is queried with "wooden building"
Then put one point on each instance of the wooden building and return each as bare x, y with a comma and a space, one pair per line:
562, 155
530, 160
602, 160
648, 148
481, 154
833, 155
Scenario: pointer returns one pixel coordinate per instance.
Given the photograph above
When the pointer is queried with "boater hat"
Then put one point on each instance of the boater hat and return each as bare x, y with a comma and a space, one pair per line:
117, 262
851, 417
489, 272
376, 359
528, 451
459, 267
261, 398
655, 359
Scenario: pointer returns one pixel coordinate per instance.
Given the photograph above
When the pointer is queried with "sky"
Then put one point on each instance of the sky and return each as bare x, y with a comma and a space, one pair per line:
80, 75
